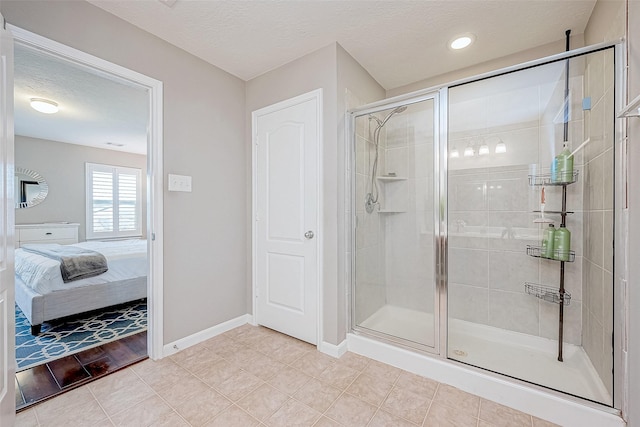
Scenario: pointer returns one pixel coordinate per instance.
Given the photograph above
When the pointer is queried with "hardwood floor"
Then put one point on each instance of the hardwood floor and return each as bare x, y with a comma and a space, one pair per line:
42, 382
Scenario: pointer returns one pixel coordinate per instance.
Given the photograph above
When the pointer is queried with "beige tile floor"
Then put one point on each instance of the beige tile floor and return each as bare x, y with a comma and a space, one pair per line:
253, 376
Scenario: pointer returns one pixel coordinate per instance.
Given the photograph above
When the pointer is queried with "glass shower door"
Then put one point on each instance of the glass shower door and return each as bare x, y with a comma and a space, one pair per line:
518, 305
394, 292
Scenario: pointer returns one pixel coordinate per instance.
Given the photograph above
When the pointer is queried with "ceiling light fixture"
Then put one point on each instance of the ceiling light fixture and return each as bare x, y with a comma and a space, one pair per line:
454, 153
461, 42
501, 147
484, 149
468, 152
44, 105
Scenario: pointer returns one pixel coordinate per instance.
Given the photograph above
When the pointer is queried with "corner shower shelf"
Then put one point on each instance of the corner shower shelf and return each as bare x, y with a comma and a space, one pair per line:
559, 296
394, 195
536, 251
546, 179
546, 293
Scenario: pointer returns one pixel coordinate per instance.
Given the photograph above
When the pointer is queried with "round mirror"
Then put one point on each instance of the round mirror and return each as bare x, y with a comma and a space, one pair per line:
31, 188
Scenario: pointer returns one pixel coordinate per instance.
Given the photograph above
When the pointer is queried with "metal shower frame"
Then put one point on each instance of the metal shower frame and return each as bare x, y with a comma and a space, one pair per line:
440, 173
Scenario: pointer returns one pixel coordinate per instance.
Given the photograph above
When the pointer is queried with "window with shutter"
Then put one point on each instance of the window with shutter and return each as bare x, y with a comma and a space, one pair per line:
113, 201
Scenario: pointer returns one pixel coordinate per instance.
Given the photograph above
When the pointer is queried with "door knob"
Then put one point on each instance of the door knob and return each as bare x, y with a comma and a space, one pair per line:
309, 234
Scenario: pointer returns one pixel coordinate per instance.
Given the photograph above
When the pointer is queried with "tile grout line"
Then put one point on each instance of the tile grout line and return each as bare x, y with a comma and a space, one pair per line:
158, 395
95, 398
424, 421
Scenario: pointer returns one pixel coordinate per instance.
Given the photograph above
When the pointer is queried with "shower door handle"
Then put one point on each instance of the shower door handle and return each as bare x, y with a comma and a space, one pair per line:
309, 235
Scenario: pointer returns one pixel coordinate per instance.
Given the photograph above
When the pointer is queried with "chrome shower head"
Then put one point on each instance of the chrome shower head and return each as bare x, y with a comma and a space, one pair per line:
396, 110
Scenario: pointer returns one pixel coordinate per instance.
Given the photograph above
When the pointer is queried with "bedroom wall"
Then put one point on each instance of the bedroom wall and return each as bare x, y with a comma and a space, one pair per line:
63, 167
205, 231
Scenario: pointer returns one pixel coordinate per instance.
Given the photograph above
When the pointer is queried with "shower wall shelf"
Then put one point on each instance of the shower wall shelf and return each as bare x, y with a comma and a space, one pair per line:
391, 178
395, 194
546, 293
547, 180
554, 212
559, 296
536, 251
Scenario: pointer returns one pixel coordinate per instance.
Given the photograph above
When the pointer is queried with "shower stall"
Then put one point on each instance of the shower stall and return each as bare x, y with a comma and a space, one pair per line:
452, 193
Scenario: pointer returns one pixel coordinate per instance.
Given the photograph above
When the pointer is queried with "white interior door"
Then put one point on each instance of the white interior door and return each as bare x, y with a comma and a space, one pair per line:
7, 317
286, 209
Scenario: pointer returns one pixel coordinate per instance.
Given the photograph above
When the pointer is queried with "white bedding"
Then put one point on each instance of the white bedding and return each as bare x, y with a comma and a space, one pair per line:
126, 259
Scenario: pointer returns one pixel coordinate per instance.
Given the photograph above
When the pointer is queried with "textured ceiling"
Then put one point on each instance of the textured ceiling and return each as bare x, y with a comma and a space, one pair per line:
398, 42
94, 109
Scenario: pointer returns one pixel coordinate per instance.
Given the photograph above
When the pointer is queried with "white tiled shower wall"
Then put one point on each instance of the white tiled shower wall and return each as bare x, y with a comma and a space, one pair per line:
491, 202
370, 294
597, 314
409, 239
394, 244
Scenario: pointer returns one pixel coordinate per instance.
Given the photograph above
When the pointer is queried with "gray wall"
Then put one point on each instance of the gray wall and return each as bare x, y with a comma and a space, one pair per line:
334, 70
205, 231
63, 167
313, 71
355, 80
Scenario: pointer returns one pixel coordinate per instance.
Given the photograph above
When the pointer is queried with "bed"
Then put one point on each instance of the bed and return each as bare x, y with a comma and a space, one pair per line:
42, 295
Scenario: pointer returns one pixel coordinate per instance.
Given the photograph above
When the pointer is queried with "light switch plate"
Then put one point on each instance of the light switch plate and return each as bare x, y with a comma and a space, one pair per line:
179, 183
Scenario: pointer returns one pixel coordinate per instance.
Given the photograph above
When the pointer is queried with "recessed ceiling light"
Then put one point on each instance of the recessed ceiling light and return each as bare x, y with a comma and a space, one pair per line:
44, 105
461, 42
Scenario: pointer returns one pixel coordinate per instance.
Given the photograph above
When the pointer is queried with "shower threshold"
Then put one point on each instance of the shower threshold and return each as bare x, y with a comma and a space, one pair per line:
526, 357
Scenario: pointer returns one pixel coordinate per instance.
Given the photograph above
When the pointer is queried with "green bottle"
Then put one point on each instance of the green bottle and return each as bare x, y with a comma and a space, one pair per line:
562, 243
547, 242
562, 166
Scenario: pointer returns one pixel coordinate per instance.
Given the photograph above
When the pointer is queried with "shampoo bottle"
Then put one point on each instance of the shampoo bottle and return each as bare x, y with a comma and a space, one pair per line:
562, 243
547, 242
562, 166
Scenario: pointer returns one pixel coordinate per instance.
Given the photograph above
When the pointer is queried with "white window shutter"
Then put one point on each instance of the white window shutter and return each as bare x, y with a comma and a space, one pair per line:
114, 201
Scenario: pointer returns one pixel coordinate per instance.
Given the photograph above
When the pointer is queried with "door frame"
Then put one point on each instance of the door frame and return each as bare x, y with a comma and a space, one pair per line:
154, 170
315, 95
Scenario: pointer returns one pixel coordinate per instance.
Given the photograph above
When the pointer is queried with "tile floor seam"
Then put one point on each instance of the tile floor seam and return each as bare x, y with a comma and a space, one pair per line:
131, 405
426, 416
119, 411
378, 409
174, 410
95, 398
324, 414
53, 376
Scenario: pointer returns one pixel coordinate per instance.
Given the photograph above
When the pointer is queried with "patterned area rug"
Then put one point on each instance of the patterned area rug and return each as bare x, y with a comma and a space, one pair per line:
71, 335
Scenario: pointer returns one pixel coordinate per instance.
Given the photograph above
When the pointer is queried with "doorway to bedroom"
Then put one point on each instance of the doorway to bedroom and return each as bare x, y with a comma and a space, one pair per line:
85, 174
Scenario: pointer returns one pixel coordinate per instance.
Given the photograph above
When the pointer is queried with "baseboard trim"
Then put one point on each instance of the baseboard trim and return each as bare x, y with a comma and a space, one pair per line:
201, 336
333, 350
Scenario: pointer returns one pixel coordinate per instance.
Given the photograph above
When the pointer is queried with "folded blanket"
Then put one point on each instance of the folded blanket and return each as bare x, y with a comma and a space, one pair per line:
75, 263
